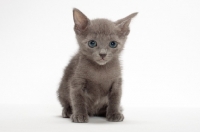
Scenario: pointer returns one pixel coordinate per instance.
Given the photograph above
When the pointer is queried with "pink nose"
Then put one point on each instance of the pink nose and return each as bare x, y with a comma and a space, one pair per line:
102, 55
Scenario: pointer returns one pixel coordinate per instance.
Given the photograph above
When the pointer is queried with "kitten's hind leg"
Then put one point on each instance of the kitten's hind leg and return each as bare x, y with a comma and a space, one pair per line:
66, 112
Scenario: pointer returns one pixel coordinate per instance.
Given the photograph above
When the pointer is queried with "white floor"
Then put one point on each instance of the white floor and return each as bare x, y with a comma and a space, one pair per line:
37, 118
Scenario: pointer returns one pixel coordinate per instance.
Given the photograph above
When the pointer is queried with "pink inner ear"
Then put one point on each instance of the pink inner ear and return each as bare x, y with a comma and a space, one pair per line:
76, 27
80, 20
80, 27
124, 22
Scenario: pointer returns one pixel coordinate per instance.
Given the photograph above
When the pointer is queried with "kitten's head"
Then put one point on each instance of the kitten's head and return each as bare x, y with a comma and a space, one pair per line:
101, 40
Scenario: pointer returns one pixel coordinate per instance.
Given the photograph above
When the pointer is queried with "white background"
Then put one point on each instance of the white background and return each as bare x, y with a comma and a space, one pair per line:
161, 59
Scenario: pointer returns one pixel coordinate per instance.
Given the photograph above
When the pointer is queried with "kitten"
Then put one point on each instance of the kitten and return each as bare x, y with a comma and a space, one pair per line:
91, 84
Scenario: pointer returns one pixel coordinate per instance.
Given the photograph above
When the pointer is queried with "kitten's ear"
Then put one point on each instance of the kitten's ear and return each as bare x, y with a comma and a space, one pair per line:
123, 24
80, 20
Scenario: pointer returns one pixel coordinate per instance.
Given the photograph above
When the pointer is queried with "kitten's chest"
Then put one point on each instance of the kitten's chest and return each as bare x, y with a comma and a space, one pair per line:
102, 75
99, 80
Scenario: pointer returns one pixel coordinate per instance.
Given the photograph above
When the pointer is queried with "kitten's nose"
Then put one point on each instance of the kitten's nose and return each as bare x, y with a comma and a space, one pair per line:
102, 55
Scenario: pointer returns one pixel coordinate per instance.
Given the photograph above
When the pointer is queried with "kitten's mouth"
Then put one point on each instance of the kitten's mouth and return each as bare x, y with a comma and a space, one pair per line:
101, 61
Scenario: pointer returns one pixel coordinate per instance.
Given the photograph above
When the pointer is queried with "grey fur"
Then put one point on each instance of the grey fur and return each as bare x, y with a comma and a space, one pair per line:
91, 86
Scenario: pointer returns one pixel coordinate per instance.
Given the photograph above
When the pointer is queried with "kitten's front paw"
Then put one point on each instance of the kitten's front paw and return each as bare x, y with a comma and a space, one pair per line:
117, 117
79, 118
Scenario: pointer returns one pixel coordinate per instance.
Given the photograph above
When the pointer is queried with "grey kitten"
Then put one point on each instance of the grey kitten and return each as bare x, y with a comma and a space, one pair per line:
91, 84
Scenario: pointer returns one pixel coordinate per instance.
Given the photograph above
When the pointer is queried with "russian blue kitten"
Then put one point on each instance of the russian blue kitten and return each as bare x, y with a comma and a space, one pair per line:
91, 84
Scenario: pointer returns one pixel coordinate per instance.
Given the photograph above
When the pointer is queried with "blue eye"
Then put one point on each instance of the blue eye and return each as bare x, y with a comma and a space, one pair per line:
113, 44
92, 43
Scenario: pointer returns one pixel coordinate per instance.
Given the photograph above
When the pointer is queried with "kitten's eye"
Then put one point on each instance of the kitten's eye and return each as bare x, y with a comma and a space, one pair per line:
92, 43
113, 44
